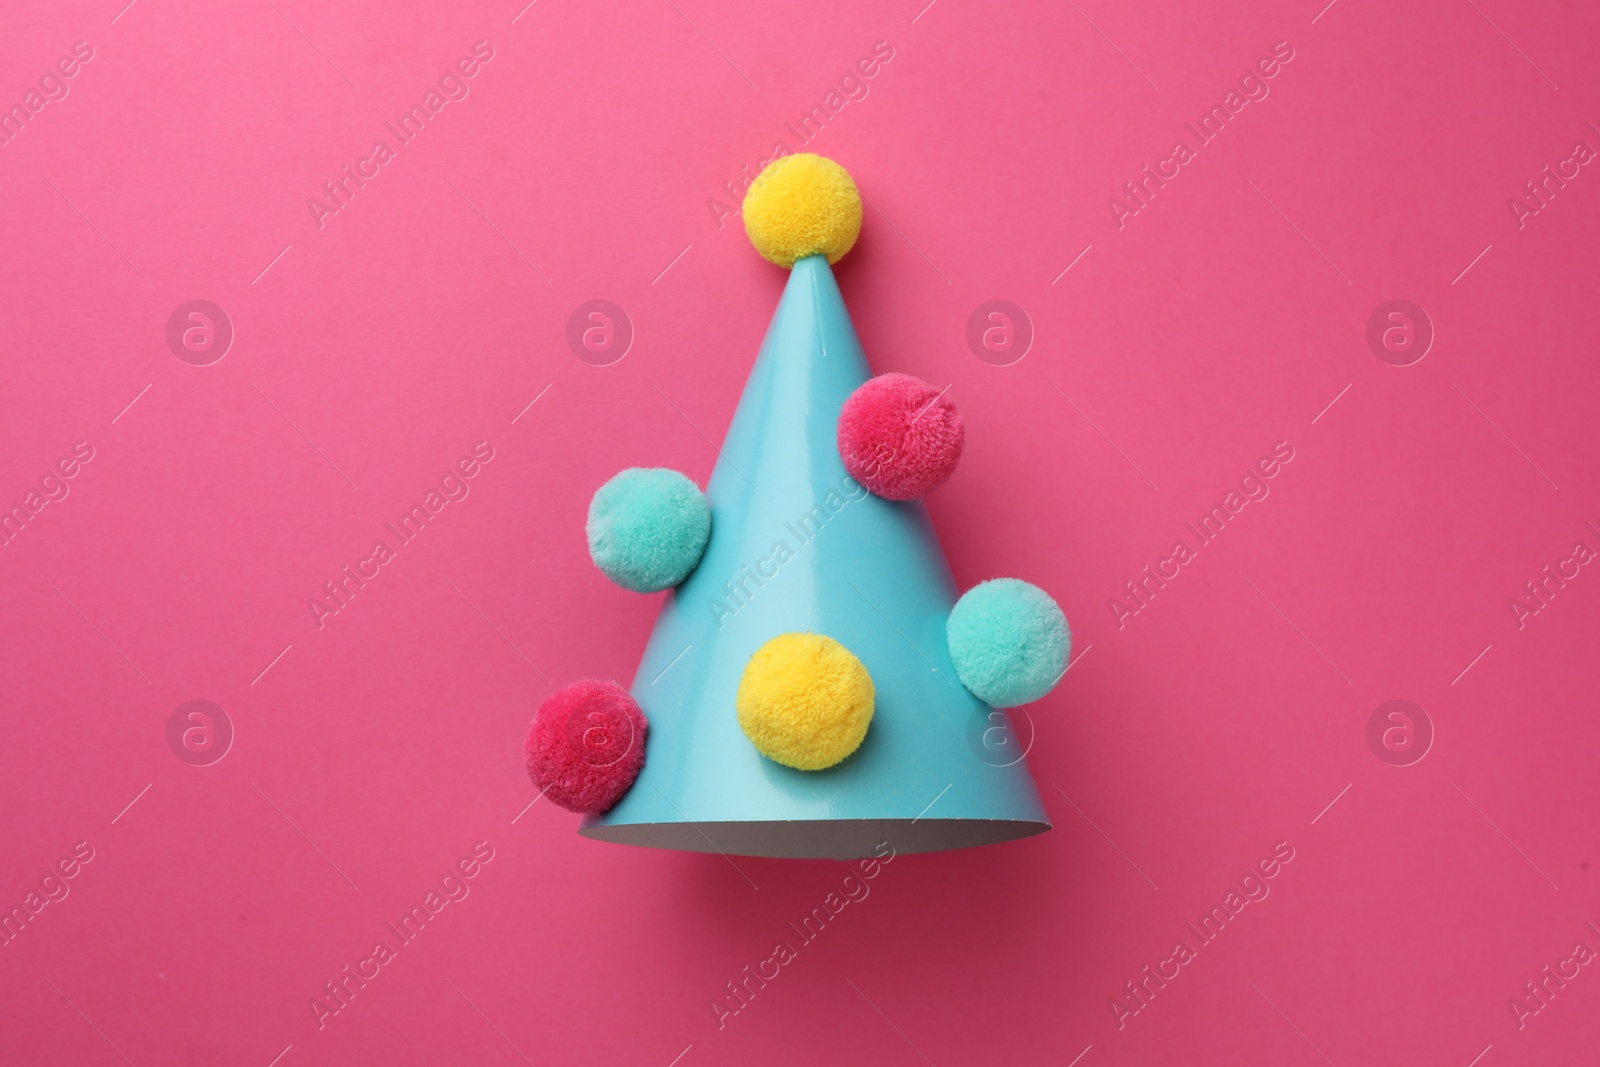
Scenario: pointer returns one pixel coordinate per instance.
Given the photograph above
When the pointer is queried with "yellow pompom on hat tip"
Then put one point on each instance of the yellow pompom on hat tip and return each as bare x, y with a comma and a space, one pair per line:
802, 205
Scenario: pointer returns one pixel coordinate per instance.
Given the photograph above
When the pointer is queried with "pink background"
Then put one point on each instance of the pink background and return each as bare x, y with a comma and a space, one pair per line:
372, 754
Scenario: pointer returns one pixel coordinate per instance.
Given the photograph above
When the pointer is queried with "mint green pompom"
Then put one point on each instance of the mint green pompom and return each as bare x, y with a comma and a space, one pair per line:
647, 528
1009, 642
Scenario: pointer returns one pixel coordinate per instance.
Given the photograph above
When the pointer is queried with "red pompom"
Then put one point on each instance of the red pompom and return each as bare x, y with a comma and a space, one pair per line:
586, 745
899, 436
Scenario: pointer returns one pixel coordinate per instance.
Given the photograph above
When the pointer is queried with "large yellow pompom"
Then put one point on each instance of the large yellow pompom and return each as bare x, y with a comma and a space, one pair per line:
800, 206
805, 701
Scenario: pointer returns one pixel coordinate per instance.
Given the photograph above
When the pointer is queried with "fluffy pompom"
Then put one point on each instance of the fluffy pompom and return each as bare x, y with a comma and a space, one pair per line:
899, 437
805, 701
586, 745
1009, 642
647, 528
802, 205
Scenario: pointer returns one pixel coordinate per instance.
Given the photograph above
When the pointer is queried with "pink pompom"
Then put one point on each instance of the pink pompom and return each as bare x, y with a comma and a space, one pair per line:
899, 436
586, 745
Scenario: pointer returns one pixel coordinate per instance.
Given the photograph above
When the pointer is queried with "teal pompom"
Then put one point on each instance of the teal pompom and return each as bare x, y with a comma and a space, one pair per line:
647, 528
1009, 642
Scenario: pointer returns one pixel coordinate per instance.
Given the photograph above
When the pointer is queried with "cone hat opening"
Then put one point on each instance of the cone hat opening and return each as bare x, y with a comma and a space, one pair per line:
819, 839
799, 546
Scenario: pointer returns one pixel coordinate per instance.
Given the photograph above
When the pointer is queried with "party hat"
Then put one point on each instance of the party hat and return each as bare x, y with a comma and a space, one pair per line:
805, 569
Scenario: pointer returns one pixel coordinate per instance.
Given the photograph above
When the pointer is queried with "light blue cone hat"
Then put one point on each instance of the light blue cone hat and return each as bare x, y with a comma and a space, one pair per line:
798, 545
